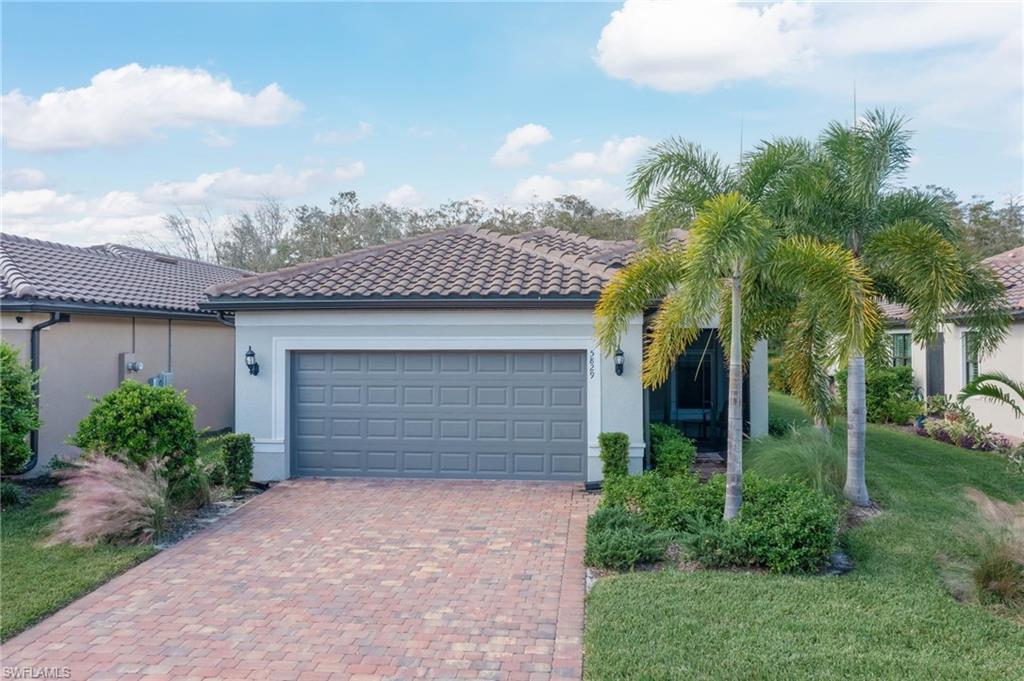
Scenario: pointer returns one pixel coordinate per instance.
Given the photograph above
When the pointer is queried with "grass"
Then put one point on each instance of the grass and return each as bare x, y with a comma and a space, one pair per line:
35, 581
893, 617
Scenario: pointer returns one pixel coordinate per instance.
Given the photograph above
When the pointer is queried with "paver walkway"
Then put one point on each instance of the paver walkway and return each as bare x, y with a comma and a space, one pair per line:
346, 579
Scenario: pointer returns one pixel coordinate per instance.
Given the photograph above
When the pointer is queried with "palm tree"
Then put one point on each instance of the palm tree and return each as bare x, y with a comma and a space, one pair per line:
734, 266
987, 387
902, 238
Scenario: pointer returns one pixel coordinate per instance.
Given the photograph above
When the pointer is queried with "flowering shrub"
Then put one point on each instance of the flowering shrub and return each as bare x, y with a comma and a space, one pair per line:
961, 428
110, 500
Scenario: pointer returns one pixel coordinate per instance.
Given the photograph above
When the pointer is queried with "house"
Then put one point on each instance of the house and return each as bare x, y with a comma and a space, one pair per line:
462, 353
945, 365
89, 318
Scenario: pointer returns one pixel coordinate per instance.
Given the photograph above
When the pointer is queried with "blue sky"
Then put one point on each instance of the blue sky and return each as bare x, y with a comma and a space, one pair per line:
115, 114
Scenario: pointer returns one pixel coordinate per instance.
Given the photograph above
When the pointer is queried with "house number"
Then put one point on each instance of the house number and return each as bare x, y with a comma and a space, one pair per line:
590, 363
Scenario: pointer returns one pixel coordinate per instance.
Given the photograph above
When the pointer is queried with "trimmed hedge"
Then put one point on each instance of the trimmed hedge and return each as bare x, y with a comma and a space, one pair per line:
614, 454
237, 449
888, 394
621, 540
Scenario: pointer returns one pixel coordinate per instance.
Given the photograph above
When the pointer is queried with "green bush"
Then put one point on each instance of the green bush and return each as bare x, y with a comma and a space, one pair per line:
211, 458
142, 423
887, 390
614, 454
783, 526
778, 426
676, 457
802, 455
672, 453
11, 495
237, 460
620, 540
19, 415
778, 380
191, 487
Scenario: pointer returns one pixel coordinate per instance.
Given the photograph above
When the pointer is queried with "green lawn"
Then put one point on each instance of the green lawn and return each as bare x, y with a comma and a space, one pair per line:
35, 581
891, 618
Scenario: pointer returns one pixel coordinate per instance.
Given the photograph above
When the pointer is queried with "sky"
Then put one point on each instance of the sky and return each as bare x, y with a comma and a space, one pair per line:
116, 114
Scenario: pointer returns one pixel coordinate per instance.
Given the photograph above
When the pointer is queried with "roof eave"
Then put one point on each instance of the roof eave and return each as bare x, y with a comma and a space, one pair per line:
403, 303
16, 305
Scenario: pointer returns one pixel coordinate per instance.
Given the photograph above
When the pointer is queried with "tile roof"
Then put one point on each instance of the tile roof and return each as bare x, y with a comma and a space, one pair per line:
1009, 269
459, 263
43, 271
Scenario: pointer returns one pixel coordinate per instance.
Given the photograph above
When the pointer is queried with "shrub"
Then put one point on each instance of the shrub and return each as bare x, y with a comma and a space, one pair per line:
778, 426
778, 379
614, 454
676, 457
672, 453
192, 487
620, 540
883, 385
19, 415
142, 423
11, 495
899, 411
805, 456
211, 457
664, 502
237, 448
999, 574
783, 526
111, 500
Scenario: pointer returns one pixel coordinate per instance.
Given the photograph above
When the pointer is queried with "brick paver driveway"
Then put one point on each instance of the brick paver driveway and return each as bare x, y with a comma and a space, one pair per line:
345, 579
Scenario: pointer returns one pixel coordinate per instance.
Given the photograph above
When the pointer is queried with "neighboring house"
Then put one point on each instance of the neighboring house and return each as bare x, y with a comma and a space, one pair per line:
459, 354
92, 317
946, 365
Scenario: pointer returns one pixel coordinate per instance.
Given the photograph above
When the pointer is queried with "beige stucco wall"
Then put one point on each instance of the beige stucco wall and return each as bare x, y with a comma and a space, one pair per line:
81, 358
1008, 359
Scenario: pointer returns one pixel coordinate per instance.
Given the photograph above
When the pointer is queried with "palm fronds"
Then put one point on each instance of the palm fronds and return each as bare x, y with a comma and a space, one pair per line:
987, 386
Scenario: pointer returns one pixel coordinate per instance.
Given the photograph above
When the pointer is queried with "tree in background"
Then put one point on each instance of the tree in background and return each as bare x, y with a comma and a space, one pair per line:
269, 237
986, 229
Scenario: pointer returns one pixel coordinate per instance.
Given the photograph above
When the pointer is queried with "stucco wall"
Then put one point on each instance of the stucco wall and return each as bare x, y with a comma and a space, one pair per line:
1009, 359
614, 403
81, 358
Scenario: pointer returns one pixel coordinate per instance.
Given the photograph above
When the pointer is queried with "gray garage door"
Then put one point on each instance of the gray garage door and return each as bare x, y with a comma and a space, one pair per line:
492, 415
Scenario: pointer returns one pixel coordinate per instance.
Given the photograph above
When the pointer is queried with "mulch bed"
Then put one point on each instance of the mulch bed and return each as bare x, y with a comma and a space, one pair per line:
185, 523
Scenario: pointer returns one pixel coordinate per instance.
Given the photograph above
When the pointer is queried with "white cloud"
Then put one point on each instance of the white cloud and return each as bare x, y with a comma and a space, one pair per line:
515, 150
361, 131
217, 140
134, 102
614, 157
404, 196
34, 202
947, 58
539, 188
233, 183
350, 171
25, 178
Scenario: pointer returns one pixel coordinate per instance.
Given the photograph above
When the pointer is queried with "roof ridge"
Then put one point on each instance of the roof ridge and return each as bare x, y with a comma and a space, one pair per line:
549, 253
313, 265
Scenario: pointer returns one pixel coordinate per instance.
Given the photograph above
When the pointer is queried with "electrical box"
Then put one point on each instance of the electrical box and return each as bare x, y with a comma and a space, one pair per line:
162, 380
128, 366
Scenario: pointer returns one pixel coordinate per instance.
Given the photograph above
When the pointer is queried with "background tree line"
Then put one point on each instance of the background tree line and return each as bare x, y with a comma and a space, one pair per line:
270, 236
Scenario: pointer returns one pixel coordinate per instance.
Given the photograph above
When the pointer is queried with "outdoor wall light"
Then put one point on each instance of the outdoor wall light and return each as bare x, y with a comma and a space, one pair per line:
620, 361
250, 361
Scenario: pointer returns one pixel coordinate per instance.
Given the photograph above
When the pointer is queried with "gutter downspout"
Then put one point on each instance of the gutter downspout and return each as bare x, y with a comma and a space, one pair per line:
33, 437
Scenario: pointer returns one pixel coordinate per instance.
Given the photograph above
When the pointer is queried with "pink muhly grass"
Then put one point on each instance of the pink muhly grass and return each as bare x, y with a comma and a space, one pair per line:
110, 500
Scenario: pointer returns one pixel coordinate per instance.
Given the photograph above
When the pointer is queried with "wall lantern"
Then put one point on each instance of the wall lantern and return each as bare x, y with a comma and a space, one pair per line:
250, 361
620, 361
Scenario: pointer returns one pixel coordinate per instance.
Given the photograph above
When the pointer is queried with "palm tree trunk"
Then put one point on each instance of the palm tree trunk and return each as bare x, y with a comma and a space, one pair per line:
734, 445
856, 488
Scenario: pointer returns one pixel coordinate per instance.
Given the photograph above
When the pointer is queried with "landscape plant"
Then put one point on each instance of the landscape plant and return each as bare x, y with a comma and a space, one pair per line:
614, 454
144, 424
734, 267
672, 452
802, 455
238, 453
889, 394
11, 495
20, 413
109, 499
620, 540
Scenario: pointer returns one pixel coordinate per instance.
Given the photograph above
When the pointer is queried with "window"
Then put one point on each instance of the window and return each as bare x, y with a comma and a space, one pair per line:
900, 349
970, 357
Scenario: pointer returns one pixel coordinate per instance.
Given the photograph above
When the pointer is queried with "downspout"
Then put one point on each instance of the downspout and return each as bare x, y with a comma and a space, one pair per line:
33, 437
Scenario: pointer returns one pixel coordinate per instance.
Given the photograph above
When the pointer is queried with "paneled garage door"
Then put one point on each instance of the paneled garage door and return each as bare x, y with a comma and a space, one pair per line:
518, 415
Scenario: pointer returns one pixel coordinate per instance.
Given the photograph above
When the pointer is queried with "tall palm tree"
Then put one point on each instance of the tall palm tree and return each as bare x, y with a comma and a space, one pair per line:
734, 266
902, 238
